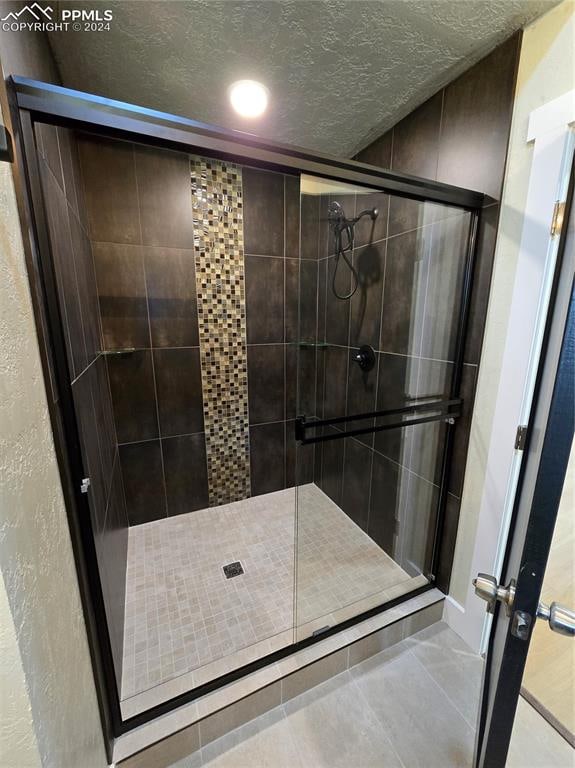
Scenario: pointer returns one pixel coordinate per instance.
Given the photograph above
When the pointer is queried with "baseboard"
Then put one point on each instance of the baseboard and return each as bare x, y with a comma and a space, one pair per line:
549, 716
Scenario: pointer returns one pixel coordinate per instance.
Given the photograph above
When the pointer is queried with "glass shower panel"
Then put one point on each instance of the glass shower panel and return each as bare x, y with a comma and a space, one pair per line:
381, 282
177, 288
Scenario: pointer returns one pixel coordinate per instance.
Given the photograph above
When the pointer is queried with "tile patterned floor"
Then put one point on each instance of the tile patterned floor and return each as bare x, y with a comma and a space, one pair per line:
411, 706
183, 615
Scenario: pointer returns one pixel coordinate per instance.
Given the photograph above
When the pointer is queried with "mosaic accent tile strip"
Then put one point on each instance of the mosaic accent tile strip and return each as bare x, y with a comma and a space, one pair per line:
220, 285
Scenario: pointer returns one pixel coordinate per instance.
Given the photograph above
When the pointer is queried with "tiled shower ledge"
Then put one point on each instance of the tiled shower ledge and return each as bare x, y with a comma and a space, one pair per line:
178, 733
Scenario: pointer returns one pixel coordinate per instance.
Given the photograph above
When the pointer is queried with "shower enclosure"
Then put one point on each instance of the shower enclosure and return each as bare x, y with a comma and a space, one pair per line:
255, 361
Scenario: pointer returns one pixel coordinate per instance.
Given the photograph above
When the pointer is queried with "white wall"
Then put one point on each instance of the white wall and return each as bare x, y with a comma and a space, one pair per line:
18, 745
545, 72
40, 606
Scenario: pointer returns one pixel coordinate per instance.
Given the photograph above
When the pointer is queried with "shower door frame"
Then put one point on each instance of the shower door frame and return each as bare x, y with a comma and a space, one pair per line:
35, 102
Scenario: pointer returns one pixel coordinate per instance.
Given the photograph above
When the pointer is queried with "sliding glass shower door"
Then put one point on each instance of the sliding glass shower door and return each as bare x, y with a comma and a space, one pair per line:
379, 375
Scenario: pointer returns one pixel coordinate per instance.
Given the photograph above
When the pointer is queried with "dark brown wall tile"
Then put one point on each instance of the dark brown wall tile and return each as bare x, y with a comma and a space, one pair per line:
369, 230
264, 278
186, 473
292, 277
481, 282
75, 179
263, 195
444, 286
361, 396
331, 481
396, 385
356, 482
308, 285
406, 214
88, 432
299, 459
292, 354
324, 232
133, 395
307, 381
106, 429
335, 384
310, 212
179, 391
321, 298
267, 458
416, 140
47, 139
164, 193
378, 152
415, 151
63, 256
172, 298
266, 383
320, 360
69, 173
429, 439
337, 310
385, 502
292, 218
87, 287
365, 326
143, 481
404, 292
113, 559
122, 295
110, 188
300, 381
476, 120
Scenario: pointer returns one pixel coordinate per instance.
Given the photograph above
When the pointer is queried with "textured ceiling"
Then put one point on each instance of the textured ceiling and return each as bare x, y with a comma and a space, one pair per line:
339, 72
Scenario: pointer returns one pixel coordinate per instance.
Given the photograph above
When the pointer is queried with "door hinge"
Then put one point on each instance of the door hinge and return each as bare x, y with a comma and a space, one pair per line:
520, 437
558, 216
84, 485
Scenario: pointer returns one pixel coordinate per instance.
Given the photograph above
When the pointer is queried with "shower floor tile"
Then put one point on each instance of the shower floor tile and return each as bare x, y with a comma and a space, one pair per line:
186, 622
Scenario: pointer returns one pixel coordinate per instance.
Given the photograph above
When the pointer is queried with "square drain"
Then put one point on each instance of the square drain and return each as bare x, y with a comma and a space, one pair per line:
233, 569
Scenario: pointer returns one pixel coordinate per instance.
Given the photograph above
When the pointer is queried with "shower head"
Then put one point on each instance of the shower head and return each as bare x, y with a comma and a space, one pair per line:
342, 225
336, 215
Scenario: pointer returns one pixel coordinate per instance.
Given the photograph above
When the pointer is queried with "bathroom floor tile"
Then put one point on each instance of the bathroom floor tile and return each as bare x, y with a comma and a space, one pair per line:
396, 709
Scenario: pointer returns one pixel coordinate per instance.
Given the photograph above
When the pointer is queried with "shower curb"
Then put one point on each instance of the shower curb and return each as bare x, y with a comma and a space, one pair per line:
176, 735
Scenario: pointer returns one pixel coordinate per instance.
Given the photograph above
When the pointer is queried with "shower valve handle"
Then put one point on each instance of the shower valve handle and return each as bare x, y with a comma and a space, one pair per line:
365, 358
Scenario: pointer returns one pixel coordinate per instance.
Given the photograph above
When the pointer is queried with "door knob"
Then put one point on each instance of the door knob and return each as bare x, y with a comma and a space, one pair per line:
560, 619
487, 588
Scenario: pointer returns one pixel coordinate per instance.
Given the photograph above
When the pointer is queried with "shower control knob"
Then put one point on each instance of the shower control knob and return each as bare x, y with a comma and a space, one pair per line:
365, 358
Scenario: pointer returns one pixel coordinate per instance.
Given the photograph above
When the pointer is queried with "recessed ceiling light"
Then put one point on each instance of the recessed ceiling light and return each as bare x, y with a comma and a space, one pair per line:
249, 98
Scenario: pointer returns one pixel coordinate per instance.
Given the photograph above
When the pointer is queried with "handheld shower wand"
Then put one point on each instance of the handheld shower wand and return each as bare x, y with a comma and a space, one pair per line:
341, 225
